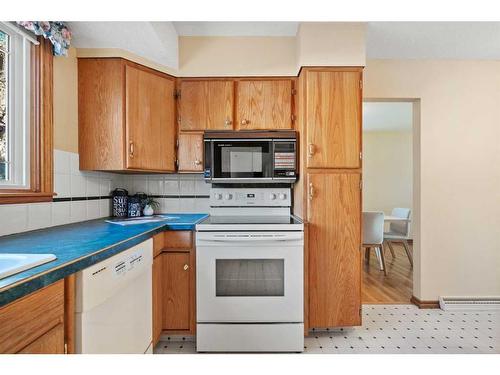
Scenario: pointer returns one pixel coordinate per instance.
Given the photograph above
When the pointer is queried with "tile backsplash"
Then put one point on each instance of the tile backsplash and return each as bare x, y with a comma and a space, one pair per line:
85, 195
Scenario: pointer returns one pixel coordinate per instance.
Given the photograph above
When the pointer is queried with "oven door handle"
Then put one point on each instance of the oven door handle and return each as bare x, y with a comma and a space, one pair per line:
294, 236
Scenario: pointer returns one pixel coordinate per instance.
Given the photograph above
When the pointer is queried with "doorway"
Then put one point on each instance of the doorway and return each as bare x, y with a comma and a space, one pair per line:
390, 175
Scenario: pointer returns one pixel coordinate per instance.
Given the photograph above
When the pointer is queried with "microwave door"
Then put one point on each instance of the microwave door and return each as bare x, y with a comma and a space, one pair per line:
242, 160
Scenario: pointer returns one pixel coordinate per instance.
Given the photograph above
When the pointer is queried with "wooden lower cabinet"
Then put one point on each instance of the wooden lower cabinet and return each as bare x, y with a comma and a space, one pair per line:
174, 299
51, 342
334, 256
176, 295
34, 323
157, 298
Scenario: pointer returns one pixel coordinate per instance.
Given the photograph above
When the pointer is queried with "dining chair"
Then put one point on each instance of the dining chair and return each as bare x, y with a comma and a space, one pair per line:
373, 237
399, 231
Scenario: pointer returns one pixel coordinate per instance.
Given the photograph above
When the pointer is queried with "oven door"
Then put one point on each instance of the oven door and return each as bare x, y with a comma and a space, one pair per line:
249, 277
244, 160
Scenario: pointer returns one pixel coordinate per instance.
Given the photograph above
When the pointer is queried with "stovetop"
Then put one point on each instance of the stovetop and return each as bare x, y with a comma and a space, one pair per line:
246, 223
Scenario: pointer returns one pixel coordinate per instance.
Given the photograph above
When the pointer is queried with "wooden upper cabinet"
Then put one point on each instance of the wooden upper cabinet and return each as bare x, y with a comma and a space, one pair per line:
206, 105
190, 152
126, 116
264, 104
334, 249
150, 116
333, 118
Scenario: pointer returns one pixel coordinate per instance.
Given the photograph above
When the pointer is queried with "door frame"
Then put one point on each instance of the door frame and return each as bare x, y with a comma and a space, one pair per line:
416, 192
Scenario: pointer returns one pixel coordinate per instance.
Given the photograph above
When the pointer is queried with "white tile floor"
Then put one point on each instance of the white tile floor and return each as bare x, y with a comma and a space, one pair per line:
393, 329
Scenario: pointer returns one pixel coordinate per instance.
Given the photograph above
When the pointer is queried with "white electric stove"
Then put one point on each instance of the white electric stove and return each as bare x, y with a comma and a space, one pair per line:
249, 268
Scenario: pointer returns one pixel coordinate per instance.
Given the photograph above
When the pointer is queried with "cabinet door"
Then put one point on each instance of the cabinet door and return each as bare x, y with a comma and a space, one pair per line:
150, 121
264, 104
190, 153
333, 115
176, 291
51, 342
334, 249
206, 105
157, 298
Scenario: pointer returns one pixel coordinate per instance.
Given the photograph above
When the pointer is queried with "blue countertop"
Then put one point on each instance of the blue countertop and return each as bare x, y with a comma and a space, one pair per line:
77, 246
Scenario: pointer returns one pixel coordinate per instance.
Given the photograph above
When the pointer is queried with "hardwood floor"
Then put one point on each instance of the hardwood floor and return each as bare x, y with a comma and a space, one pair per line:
396, 287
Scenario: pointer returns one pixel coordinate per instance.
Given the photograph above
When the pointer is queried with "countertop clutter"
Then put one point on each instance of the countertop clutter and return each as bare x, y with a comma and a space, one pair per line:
77, 246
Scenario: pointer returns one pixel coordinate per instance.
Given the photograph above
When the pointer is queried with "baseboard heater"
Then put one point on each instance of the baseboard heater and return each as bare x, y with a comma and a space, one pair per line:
469, 303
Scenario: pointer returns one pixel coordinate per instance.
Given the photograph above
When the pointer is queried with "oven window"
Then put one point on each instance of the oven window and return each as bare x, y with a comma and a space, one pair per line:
250, 277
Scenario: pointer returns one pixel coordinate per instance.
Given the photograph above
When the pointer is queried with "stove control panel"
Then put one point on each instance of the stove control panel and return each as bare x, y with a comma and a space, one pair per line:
257, 197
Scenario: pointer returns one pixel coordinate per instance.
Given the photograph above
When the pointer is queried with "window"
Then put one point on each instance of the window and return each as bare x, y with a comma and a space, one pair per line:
26, 145
14, 110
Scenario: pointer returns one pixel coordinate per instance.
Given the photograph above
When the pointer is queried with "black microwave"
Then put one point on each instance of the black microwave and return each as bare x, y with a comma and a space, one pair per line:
250, 156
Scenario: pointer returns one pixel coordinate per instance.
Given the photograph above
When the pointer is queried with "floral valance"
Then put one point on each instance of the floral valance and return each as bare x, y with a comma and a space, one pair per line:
57, 32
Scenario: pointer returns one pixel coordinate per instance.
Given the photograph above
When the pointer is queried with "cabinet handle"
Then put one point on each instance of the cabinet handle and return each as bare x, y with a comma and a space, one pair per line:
244, 122
197, 162
311, 149
227, 123
186, 267
311, 191
131, 150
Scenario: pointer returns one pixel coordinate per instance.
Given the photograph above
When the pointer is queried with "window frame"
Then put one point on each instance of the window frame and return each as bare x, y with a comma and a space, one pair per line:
18, 115
40, 144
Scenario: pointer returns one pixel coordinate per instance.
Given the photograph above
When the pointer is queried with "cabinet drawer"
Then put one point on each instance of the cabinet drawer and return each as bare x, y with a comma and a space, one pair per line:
178, 239
23, 321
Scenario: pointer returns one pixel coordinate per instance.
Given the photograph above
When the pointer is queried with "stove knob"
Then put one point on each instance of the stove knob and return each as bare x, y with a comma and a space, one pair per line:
229, 196
282, 196
218, 196
272, 196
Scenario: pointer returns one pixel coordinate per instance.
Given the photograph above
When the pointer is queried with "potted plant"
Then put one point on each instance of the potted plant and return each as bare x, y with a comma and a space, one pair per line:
150, 205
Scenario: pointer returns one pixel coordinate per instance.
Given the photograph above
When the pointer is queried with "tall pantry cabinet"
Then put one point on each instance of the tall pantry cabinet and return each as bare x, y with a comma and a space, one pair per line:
328, 194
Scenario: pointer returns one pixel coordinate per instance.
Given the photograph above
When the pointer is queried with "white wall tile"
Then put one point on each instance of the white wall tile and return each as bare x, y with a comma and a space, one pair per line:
78, 185
140, 184
155, 185
171, 185
14, 218
105, 186
201, 205
186, 185
78, 211
39, 215
93, 209
93, 186
62, 161
202, 188
62, 185
74, 163
170, 205
61, 213
187, 205
104, 207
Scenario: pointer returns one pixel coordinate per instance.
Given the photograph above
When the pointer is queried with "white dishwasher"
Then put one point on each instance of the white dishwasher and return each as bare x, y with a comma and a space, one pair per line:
114, 304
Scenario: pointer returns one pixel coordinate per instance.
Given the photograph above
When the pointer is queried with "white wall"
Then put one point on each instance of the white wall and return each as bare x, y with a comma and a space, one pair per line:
458, 252
387, 170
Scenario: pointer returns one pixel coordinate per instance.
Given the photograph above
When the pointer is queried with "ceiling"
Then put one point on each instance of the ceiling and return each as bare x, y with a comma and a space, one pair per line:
387, 116
236, 28
433, 40
158, 41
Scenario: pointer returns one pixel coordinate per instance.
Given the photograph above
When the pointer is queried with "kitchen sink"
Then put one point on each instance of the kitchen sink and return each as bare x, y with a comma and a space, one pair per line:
15, 263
